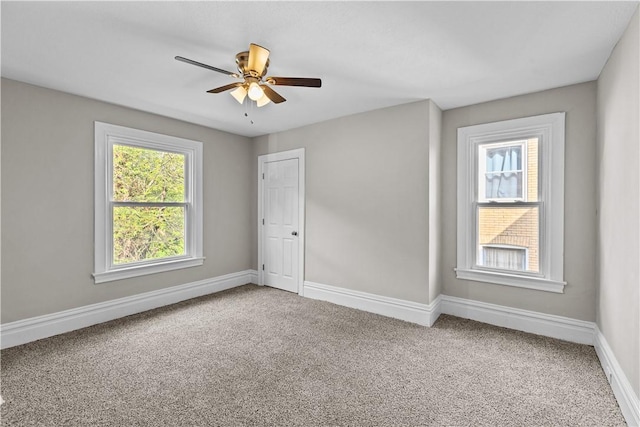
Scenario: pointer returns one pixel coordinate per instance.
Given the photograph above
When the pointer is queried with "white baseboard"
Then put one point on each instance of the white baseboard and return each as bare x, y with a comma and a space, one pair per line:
627, 400
422, 314
253, 276
548, 325
35, 328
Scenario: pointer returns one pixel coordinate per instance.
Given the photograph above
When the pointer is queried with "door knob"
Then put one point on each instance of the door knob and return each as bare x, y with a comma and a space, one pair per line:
294, 233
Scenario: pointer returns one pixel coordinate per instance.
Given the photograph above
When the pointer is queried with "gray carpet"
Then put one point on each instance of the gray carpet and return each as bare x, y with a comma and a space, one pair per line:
262, 357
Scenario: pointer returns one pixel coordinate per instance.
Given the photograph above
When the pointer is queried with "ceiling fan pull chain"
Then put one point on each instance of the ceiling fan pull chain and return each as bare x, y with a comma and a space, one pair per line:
248, 105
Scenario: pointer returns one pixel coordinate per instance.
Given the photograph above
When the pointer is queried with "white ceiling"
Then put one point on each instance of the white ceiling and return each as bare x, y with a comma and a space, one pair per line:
369, 55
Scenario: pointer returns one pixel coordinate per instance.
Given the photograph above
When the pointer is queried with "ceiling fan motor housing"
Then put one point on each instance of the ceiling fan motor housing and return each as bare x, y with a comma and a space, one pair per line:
242, 59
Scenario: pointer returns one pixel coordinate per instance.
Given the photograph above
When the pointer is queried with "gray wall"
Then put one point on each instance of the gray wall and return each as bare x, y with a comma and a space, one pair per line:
47, 201
435, 205
579, 102
618, 226
367, 184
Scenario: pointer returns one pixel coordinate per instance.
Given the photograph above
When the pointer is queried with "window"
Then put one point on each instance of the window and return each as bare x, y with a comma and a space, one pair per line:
511, 202
508, 204
148, 203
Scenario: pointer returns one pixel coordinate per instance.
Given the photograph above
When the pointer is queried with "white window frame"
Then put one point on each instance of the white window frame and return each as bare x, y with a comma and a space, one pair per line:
550, 131
108, 135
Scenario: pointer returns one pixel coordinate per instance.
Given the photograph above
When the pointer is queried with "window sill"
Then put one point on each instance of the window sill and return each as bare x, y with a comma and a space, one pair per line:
511, 280
142, 270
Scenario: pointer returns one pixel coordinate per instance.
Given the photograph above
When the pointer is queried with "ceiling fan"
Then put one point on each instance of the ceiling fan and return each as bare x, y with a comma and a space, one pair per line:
252, 65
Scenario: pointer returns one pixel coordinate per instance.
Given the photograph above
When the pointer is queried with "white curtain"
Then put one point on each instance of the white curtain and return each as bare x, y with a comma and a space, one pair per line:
505, 258
504, 173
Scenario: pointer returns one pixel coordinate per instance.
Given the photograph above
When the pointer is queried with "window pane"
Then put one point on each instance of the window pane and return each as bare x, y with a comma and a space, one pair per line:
144, 175
509, 226
503, 173
145, 233
508, 170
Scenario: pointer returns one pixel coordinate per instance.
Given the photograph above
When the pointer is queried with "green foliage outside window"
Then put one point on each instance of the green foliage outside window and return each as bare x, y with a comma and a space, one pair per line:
147, 232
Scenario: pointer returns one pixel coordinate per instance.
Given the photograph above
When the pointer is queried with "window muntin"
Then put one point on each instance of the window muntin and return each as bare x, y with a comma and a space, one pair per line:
148, 201
511, 194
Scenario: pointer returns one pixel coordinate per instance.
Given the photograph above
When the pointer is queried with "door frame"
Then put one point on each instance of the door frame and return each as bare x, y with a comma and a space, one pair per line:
298, 153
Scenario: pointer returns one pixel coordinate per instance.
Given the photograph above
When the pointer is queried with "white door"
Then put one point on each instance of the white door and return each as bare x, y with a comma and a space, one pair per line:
280, 229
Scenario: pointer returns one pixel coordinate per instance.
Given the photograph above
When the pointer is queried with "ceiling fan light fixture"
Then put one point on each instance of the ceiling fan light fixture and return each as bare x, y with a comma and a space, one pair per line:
239, 94
263, 101
255, 91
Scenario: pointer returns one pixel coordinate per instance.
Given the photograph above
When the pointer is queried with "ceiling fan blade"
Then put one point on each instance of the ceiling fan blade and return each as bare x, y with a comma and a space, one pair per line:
272, 95
208, 67
225, 87
294, 81
258, 57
